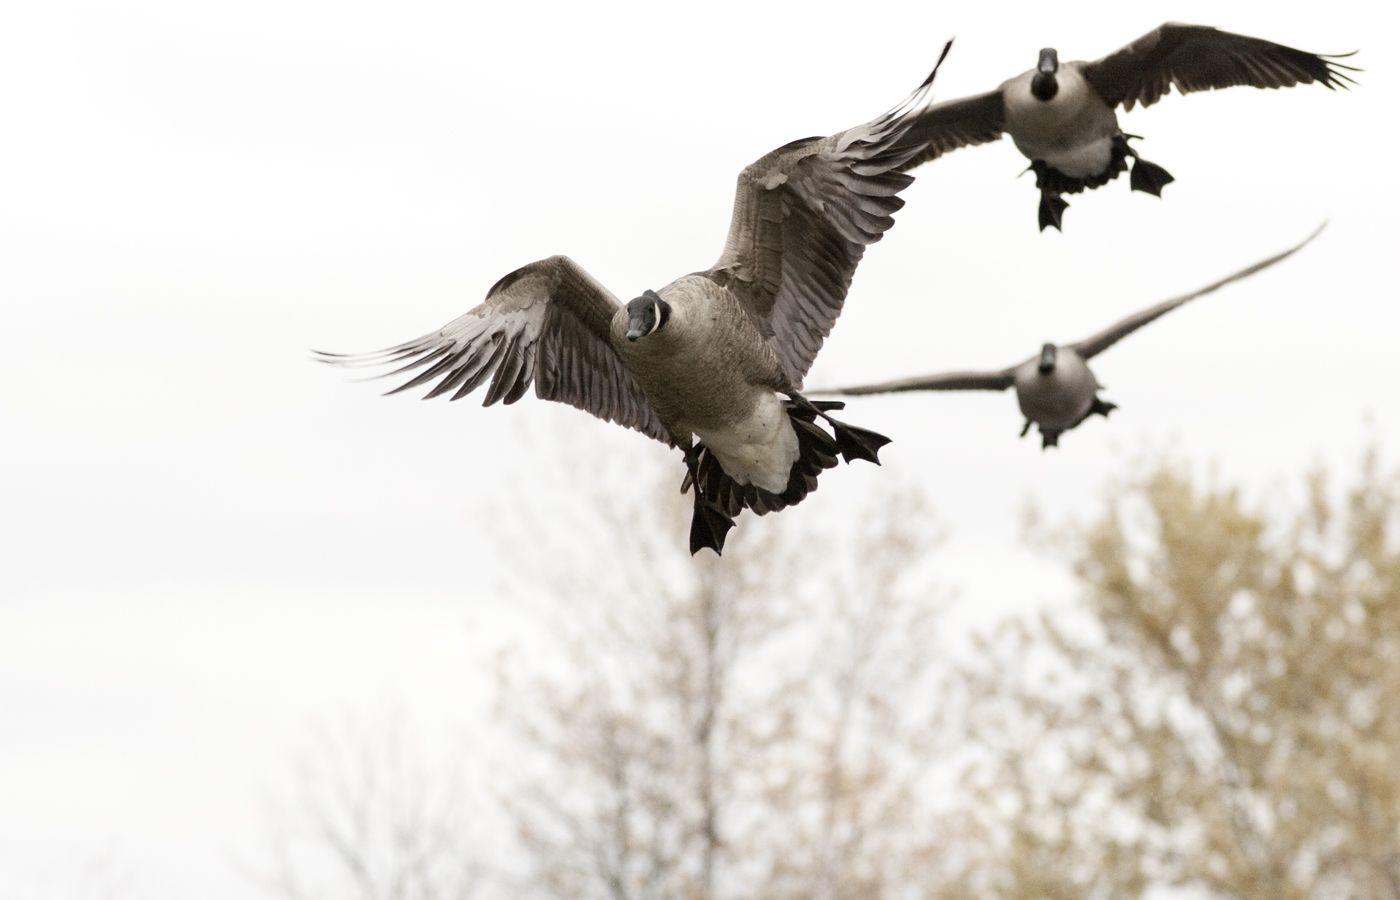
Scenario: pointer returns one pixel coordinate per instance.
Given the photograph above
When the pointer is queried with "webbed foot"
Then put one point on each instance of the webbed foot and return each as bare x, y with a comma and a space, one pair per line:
1052, 210
853, 443
709, 526
710, 522
858, 443
1102, 408
1148, 177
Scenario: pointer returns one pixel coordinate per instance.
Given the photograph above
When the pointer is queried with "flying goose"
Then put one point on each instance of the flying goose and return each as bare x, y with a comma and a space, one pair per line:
1055, 389
700, 364
1062, 117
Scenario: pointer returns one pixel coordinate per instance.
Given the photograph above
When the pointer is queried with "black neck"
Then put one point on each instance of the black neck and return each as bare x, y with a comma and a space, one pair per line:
1043, 85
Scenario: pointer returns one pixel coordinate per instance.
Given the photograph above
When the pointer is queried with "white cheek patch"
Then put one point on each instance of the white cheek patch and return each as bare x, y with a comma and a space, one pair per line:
655, 318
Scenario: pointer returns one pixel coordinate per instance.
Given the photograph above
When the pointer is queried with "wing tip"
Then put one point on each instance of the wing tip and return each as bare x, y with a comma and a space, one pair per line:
947, 46
1337, 73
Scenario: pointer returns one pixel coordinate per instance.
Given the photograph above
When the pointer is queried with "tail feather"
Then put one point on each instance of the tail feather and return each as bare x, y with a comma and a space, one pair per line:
1054, 181
818, 451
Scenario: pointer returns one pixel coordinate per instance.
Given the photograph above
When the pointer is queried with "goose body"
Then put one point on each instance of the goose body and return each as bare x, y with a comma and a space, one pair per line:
713, 363
1055, 389
710, 373
1063, 116
1073, 131
1056, 395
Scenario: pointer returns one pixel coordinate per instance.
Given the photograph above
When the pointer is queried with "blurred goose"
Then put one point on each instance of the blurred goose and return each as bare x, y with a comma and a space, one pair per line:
1062, 116
713, 362
1055, 389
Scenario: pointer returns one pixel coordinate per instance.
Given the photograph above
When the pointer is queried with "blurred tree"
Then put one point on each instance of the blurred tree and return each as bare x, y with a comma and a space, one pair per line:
369, 817
1216, 712
1222, 712
752, 726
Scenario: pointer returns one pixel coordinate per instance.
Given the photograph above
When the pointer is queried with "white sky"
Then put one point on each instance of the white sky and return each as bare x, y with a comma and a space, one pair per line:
207, 540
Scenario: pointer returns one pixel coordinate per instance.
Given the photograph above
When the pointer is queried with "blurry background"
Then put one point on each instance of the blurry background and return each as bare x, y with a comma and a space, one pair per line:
218, 563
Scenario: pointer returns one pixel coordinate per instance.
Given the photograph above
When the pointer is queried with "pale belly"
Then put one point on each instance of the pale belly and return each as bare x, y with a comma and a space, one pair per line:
1084, 161
758, 449
1056, 401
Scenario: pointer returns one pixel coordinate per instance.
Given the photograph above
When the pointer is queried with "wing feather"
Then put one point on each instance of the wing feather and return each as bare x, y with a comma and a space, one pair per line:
1097, 343
803, 216
546, 324
944, 381
1199, 58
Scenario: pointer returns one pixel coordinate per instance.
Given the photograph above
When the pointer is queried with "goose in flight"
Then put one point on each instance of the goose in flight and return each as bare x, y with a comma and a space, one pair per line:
1055, 389
712, 363
1062, 116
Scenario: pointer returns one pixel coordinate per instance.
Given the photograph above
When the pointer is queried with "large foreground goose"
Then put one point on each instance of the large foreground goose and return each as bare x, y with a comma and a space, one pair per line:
713, 362
1055, 389
1062, 116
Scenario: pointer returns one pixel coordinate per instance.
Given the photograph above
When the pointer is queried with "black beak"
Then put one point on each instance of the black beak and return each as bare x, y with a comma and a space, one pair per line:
635, 331
1047, 359
1049, 61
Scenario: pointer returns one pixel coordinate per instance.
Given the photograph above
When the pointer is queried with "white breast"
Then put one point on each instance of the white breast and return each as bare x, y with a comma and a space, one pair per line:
1061, 399
1073, 131
760, 448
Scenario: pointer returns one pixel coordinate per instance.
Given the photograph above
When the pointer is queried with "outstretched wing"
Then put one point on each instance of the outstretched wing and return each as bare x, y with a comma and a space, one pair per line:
1098, 343
953, 124
547, 323
1200, 58
803, 216
945, 381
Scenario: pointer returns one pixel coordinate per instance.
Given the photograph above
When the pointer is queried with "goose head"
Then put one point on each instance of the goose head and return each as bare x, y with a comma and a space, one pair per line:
646, 315
1046, 365
1044, 87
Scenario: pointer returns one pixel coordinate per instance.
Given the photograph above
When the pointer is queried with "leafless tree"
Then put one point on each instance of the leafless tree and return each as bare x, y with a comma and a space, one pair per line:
1214, 711
370, 816
757, 725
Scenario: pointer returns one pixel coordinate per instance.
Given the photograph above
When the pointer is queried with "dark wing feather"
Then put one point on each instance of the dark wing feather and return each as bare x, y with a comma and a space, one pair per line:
953, 124
547, 323
803, 216
1200, 58
945, 381
1098, 343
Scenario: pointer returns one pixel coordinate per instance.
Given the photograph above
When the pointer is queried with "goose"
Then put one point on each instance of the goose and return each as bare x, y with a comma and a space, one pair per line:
1062, 116
711, 364
1055, 388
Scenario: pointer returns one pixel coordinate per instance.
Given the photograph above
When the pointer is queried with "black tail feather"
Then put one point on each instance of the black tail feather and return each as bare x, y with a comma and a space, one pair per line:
1052, 180
720, 499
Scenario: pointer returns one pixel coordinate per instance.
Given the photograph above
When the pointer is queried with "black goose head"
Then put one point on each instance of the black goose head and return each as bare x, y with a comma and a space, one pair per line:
1043, 85
1047, 359
646, 315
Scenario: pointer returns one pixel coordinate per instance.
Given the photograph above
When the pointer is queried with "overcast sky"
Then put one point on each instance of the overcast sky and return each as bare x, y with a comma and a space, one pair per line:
208, 541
